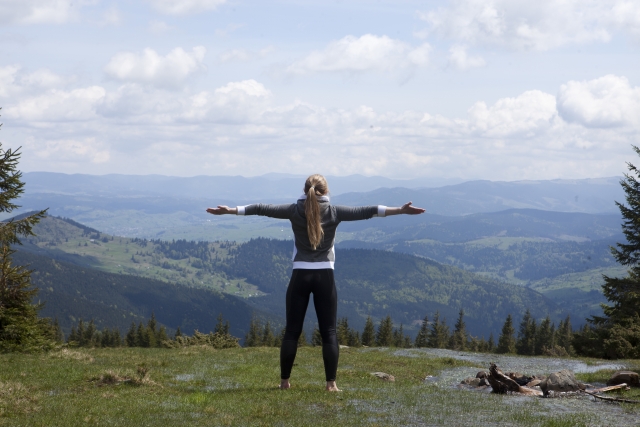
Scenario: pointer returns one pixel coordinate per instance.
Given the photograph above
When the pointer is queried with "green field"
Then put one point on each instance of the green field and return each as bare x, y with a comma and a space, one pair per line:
201, 386
124, 255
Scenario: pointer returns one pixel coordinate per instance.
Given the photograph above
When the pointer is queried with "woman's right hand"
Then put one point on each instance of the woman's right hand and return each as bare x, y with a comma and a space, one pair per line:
222, 210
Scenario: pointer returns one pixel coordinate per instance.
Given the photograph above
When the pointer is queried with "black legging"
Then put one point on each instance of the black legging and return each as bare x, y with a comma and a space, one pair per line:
325, 299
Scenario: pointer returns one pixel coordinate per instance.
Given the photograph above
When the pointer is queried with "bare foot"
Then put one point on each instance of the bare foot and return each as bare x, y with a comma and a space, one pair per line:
331, 386
285, 384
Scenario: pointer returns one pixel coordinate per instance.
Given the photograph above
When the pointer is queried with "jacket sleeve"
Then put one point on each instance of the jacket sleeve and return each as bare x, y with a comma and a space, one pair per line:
272, 211
348, 213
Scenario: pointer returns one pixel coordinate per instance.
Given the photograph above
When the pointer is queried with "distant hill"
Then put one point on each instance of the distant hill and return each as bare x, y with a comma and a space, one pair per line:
373, 283
379, 283
71, 292
584, 195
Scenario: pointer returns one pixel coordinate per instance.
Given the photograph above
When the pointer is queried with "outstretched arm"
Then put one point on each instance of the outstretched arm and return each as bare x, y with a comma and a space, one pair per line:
406, 209
223, 210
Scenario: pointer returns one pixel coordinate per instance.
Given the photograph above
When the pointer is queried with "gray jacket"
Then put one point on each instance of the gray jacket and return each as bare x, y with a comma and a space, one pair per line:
303, 254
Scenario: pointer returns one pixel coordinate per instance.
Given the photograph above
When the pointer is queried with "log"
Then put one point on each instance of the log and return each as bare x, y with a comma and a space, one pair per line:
611, 399
503, 384
609, 388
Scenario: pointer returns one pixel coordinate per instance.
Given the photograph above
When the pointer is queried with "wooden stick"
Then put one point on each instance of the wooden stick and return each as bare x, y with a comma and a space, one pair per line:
609, 388
611, 399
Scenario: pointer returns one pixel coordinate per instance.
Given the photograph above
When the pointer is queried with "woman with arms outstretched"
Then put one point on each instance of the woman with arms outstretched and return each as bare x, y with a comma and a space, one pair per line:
314, 221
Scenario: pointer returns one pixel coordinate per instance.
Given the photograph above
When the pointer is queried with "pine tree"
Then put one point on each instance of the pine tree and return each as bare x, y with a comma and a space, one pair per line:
439, 333
302, 340
398, 337
152, 323
564, 336
316, 337
81, 334
459, 337
423, 334
507, 340
491, 344
384, 336
57, 331
617, 333
20, 327
545, 337
253, 337
342, 331
178, 333
161, 336
368, 337
268, 338
89, 334
131, 338
526, 343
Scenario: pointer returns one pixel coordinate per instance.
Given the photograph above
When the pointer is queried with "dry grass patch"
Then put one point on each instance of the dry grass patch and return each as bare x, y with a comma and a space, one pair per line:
65, 353
112, 377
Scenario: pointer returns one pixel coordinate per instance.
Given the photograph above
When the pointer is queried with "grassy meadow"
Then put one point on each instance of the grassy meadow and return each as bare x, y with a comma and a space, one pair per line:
202, 386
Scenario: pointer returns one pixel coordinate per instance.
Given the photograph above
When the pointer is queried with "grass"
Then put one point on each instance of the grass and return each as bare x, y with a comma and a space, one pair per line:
201, 386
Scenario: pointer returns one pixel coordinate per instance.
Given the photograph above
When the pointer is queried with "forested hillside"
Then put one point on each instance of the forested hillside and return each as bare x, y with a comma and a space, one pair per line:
370, 282
71, 292
379, 283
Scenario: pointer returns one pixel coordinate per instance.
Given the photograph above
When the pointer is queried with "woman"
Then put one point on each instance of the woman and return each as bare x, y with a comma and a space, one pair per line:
314, 221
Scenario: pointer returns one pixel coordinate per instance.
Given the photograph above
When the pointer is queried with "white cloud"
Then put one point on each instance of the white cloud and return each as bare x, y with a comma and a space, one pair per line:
365, 53
58, 105
39, 11
526, 115
239, 129
168, 71
74, 151
526, 25
183, 7
460, 59
605, 102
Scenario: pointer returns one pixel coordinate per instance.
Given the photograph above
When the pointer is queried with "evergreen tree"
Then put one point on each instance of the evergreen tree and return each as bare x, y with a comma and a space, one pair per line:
423, 334
439, 333
617, 333
398, 337
253, 337
58, 336
491, 344
354, 338
142, 336
152, 323
268, 338
526, 343
161, 336
545, 337
131, 338
20, 327
384, 336
507, 340
369, 333
564, 336
342, 331
302, 340
89, 334
73, 336
459, 337
178, 333
316, 337
117, 340
81, 334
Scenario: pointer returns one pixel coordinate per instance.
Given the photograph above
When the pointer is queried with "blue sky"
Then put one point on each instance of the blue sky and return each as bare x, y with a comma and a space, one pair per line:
464, 89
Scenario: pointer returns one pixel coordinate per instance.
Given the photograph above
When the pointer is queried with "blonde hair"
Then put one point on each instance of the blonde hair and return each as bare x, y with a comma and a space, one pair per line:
314, 187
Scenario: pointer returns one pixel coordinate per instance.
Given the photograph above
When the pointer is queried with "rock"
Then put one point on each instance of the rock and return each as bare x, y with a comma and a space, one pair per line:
484, 382
473, 382
344, 346
629, 377
562, 381
383, 376
482, 374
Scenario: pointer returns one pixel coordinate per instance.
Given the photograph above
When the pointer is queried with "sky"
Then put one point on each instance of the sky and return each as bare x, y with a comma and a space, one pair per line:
500, 90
